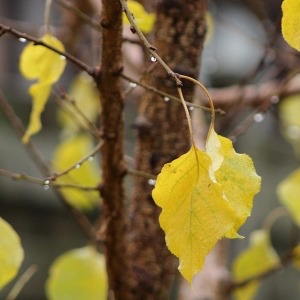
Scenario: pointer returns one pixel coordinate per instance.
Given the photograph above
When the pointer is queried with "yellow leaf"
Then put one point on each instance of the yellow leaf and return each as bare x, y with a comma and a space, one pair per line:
204, 197
145, 21
68, 153
40, 93
289, 195
38, 62
237, 175
11, 253
290, 22
289, 111
46, 66
258, 258
194, 213
78, 274
86, 97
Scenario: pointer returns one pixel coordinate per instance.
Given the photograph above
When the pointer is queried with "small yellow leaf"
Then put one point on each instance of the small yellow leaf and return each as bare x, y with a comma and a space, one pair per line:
78, 274
40, 93
68, 153
46, 66
194, 213
237, 175
289, 195
290, 22
84, 93
38, 62
11, 253
258, 258
144, 20
289, 111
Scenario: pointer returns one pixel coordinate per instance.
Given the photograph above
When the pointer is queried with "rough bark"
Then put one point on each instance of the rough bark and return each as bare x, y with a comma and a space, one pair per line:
162, 136
112, 152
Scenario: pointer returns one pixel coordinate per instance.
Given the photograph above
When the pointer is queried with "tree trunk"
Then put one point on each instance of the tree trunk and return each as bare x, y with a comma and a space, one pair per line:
112, 152
162, 135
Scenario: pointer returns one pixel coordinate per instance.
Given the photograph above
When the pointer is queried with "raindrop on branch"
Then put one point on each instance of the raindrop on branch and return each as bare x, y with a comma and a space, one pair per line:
22, 40
166, 99
151, 181
132, 84
77, 166
153, 58
259, 117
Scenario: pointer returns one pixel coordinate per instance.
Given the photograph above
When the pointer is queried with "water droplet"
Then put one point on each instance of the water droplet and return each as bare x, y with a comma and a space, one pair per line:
22, 40
151, 181
47, 182
77, 166
153, 58
191, 108
91, 158
274, 99
132, 84
166, 99
62, 57
259, 117
46, 187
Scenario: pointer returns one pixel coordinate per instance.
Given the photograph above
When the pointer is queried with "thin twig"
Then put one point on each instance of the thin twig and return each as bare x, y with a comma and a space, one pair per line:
64, 98
17, 125
82, 16
152, 50
167, 96
141, 174
46, 183
79, 63
18, 286
78, 163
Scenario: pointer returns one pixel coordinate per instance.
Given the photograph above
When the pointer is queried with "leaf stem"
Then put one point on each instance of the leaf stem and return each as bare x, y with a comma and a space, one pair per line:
189, 120
212, 122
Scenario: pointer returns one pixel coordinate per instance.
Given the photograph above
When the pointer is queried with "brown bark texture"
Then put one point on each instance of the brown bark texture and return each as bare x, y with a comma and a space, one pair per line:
162, 135
112, 152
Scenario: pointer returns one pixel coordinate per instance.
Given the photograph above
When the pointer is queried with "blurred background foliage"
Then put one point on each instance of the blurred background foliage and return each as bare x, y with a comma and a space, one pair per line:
245, 46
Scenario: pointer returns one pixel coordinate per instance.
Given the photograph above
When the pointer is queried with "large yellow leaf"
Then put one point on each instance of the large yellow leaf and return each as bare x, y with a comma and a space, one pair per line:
46, 66
258, 258
237, 175
194, 213
143, 19
68, 153
290, 22
78, 274
11, 253
289, 195
86, 97
204, 196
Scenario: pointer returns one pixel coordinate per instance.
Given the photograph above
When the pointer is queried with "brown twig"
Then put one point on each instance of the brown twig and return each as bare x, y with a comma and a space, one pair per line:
79, 63
16, 123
